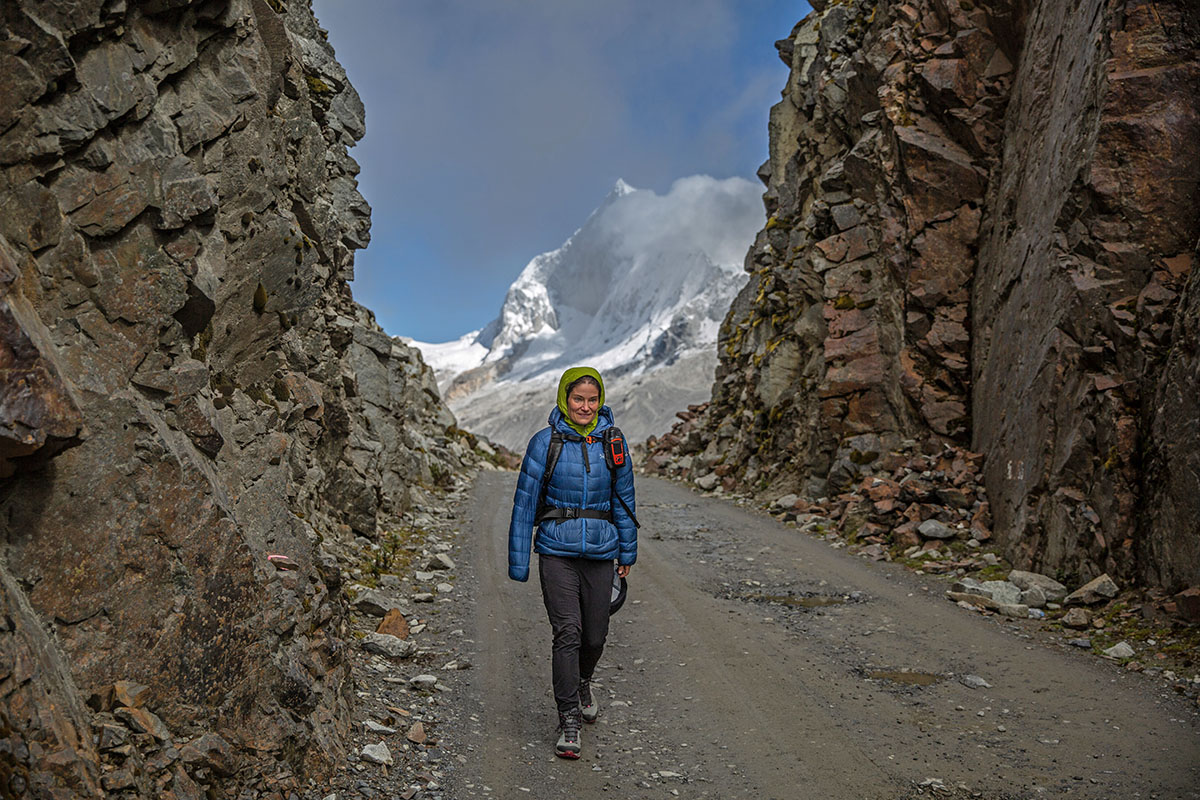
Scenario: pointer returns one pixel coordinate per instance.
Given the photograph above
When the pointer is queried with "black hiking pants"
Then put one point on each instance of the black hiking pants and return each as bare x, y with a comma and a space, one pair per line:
577, 592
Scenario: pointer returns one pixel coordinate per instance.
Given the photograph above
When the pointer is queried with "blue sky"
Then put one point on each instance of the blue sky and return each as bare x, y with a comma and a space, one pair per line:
494, 127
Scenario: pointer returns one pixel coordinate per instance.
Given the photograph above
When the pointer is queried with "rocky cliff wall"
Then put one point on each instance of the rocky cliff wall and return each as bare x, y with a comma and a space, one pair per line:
188, 387
981, 217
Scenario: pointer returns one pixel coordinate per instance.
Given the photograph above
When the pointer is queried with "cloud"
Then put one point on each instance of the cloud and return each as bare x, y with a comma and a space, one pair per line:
494, 128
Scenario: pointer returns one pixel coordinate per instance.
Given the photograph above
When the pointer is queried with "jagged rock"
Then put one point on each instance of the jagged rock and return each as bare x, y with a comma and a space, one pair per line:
143, 721
131, 694
1188, 603
1002, 592
1033, 597
1077, 618
950, 287
377, 753
178, 220
210, 751
932, 529
387, 645
416, 734
1094, 591
1052, 589
440, 561
375, 603
393, 624
785, 502
1119, 650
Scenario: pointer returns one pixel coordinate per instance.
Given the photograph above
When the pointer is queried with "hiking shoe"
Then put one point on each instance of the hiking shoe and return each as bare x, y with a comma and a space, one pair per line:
568, 736
587, 704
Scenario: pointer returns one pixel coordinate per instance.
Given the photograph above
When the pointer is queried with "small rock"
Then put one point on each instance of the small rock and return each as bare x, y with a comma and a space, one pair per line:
394, 624
1102, 588
143, 721
932, 529
211, 751
423, 681
440, 561
375, 727
1119, 650
377, 754
991, 559
1033, 597
1014, 610
131, 694
374, 603
969, 586
1187, 603
444, 588
788, 501
117, 780
416, 734
1002, 592
1052, 589
1083, 642
974, 682
1077, 618
387, 645
423, 597
424, 576
708, 482
875, 552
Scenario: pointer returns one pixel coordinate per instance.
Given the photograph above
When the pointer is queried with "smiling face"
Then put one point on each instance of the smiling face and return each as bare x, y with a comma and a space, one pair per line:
583, 403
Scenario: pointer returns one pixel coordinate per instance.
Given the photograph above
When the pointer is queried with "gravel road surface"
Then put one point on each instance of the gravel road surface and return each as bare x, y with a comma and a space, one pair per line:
754, 661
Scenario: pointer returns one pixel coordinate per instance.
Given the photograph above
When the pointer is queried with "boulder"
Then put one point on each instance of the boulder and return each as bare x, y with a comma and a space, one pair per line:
933, 529
1188, 603
1094, 591
1051, 589
375, 603
387, 645
1077, 618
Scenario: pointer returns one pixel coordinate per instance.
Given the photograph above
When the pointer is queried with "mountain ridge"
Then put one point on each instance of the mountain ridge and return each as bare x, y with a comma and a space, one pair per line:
640, 288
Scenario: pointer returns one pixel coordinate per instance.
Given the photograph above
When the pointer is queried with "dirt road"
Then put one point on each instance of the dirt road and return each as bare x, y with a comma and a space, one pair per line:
753, 661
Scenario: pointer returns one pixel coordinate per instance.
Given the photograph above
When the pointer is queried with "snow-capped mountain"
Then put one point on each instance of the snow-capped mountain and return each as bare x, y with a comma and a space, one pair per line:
638, 292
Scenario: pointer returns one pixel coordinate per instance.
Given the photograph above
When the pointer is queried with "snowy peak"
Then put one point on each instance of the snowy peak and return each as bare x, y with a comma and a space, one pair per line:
644, 282
637, 261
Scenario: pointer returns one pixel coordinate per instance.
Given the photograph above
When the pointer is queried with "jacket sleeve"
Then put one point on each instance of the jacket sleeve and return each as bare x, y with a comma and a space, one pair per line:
520, 529
626, 530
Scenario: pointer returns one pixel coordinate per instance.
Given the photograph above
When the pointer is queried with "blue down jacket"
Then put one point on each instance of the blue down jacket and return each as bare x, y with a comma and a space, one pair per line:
571, 486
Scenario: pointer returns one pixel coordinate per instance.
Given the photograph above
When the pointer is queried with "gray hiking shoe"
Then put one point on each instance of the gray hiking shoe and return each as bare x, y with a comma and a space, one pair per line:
588, 707
568, 736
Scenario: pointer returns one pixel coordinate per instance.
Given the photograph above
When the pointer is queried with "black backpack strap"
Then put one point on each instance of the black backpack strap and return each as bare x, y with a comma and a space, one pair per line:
615, 456
553, 451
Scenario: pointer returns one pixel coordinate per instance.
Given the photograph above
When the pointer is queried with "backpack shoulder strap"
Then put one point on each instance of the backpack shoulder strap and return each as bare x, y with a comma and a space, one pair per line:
553, 451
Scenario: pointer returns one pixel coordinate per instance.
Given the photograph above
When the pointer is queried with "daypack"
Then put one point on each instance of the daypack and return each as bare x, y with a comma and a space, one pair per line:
615, 454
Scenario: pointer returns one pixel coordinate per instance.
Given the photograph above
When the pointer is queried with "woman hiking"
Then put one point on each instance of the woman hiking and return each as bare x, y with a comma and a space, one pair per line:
581, 500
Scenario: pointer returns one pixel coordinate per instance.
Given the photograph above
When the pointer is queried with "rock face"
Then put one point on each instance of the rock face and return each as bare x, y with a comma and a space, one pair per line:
188, 387
982, 223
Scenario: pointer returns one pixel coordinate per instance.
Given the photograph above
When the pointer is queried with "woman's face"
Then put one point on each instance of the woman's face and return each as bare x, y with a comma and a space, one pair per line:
583, 401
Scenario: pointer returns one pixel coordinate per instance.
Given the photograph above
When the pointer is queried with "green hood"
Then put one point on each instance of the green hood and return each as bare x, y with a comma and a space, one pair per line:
569, 377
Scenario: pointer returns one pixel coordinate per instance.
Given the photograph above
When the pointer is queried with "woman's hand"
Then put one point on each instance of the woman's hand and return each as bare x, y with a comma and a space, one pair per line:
623, 571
